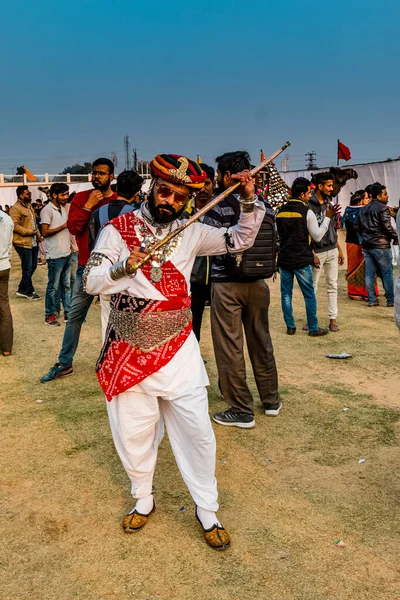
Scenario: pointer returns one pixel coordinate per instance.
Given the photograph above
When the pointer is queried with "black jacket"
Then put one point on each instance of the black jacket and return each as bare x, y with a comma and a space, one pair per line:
295, 241
330, 239
374, 226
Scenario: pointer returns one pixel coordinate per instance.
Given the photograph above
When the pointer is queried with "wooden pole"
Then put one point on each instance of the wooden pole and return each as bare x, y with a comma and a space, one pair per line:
206, 208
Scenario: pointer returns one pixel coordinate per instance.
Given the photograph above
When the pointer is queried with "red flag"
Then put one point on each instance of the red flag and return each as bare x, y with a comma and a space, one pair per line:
262, 156
343, 152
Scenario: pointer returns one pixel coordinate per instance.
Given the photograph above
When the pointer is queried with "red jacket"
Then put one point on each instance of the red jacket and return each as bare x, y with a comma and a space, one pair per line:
78, 220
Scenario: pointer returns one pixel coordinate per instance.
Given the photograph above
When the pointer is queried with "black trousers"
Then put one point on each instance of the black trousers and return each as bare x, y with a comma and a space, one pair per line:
201, 293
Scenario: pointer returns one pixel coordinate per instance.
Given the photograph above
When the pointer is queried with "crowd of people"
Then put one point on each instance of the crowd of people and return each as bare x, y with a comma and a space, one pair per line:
104, 243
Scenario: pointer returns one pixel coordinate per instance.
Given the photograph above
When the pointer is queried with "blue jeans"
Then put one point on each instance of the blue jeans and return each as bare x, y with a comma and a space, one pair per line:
80, 304
29, 257
304, 278
379, 260
74, 268
58, 285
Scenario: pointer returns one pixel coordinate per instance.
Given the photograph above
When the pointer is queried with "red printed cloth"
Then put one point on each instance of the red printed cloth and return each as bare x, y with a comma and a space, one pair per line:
120, 365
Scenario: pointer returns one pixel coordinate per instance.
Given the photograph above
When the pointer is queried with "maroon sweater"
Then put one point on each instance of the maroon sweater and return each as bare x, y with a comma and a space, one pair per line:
78, 220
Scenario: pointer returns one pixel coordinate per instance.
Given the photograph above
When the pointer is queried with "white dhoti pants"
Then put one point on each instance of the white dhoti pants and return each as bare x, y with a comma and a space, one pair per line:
136, 422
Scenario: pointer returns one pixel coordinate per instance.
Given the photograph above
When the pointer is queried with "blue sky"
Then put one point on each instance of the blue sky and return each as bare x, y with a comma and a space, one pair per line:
197, 78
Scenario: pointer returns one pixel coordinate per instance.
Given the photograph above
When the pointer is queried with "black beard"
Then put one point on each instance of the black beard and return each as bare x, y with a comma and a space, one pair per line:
162, 217
101, 188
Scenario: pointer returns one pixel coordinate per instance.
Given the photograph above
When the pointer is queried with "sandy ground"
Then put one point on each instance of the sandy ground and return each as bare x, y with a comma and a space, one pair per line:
289, 489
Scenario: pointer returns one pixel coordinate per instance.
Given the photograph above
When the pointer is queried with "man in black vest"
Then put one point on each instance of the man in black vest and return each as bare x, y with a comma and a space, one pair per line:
328, 250
297, 227
238, 302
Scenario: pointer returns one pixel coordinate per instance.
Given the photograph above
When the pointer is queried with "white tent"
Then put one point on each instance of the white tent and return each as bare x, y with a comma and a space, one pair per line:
386, 172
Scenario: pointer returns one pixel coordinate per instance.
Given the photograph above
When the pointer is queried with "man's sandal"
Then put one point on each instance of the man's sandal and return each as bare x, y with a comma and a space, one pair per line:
135, 521
216, 537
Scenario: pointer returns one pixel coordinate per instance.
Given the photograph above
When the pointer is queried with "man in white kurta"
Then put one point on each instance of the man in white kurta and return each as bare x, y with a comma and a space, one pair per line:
177, 390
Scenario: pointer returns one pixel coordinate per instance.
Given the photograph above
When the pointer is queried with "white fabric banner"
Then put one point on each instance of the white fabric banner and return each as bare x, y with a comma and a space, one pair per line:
387, 173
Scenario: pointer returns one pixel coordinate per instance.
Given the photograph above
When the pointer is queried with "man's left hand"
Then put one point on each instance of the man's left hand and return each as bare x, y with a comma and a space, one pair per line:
246, 188
341, 258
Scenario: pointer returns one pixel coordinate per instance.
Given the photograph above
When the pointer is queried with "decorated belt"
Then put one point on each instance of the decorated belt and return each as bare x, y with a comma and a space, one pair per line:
148, 331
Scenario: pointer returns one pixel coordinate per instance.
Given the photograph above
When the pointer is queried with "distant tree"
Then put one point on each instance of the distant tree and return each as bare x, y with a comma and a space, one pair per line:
78, 169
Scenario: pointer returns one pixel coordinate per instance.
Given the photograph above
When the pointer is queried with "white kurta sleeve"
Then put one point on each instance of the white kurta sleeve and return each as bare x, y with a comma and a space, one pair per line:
316, 231
107, 251
213, 241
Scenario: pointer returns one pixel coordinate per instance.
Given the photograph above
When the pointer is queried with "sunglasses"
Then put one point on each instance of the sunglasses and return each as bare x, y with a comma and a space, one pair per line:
165, 192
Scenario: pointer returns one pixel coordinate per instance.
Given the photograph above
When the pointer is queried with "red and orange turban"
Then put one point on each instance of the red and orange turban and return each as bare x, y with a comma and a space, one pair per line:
179, 170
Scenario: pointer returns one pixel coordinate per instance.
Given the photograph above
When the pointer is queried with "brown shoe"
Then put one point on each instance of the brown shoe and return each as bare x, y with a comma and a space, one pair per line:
216, 537
333, 325
135, 521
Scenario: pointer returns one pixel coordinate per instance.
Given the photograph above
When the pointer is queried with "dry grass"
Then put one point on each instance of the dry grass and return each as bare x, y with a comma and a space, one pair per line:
63, 490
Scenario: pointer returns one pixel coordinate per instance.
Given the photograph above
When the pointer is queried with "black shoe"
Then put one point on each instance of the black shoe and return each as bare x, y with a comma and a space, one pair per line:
291, 330
390, 305
233, 418
34, 296
56, 372
273, 411
318, 332
305, 328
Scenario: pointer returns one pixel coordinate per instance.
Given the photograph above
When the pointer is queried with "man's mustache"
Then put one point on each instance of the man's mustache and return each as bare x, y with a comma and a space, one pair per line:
166, 207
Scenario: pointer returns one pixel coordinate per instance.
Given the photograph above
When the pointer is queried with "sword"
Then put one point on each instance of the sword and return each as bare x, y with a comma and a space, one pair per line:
205, 209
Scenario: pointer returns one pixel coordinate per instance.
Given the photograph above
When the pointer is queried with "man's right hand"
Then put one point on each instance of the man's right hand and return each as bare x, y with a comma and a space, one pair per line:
94, 199
317, 262
136, 256
332, 211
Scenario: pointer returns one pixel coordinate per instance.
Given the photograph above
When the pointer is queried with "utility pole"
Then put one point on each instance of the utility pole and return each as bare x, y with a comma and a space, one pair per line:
127, 148
114, 159
310, 161
135, 160
285, 163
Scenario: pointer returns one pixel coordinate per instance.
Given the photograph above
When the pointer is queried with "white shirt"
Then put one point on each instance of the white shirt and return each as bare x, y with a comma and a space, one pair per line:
57, 245
6, 236
185, 370
316, 231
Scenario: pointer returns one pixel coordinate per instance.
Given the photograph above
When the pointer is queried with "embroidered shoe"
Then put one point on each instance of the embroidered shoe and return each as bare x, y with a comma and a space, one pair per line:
234, 418
56, 372
135, 521
216, 537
